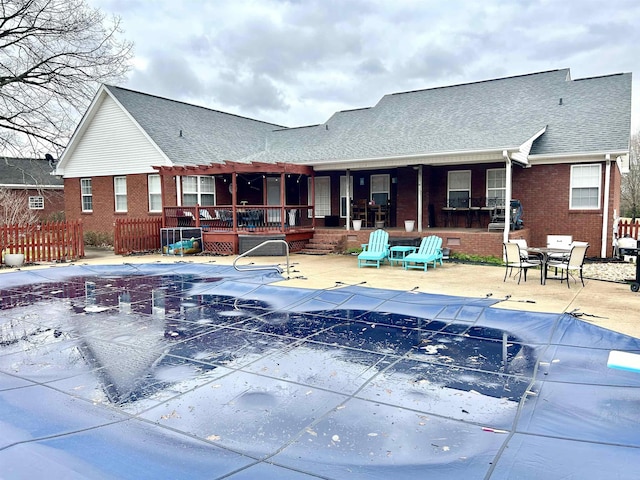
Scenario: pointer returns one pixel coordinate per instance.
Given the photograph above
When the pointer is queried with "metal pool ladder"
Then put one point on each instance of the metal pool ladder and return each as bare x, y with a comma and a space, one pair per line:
244, 268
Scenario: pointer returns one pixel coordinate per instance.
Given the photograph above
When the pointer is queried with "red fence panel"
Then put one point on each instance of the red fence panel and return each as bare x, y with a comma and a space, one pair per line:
629, 229
44, 242
137, 235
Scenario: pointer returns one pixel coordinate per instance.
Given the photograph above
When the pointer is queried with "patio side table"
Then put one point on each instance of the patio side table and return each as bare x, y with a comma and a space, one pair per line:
398, 252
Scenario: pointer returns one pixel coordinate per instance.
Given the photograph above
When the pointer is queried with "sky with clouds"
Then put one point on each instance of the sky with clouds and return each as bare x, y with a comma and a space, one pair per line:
296, 62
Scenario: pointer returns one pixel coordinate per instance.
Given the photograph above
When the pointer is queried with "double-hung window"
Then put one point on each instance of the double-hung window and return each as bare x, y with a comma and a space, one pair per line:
459, 188
496, 187
86, 195
585, 187
155, 193
198, 190
120, 193
380, 187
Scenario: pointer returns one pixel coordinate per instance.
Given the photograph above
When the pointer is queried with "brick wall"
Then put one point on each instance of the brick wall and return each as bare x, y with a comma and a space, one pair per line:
542, 189
53, 201
546, 205
102, 219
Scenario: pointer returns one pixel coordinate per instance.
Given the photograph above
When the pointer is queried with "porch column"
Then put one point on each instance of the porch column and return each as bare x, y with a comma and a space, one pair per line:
283, 210
507, 197
419, 198
313, 199
234, 196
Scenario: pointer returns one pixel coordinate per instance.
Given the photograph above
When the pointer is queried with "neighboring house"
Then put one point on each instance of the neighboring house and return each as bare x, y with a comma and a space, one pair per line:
442, 157
33, 183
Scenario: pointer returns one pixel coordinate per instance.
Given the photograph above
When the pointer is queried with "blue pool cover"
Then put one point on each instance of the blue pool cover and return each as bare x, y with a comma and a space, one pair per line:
199, 371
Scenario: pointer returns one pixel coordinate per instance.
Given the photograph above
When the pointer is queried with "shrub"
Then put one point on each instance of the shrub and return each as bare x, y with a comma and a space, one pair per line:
98, 239
465, 258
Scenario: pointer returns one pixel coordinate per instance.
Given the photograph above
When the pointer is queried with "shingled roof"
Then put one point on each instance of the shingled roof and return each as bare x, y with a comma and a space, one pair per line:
547, 112
205, 135
580, 116
27, 172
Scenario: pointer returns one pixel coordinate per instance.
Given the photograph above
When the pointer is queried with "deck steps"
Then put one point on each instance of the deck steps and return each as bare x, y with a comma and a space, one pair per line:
323, 244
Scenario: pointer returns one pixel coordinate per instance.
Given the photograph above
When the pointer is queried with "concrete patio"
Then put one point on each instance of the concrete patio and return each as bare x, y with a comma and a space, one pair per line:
606, 304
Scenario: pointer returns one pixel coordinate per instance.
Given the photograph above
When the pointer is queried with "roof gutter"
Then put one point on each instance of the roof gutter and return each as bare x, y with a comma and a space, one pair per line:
406, 159
23, 186
575, 157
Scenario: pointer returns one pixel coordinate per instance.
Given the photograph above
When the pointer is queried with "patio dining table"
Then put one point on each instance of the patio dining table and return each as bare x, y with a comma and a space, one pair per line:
545, 254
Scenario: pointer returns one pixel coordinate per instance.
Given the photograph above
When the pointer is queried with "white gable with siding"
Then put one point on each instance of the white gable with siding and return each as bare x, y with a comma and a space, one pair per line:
109, 140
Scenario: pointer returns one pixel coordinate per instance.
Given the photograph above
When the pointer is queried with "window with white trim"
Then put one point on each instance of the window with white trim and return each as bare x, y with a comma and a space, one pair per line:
585, 186
343, 194
86, 194
458, 188
380, 188
155, 193
198, 190
496, 186
323, 196
120, 193
36, 203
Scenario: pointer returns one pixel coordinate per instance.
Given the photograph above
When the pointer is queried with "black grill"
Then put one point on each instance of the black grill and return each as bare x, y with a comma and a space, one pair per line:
631, 251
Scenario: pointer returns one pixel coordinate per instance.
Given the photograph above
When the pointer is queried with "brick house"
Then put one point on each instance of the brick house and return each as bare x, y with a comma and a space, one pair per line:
31, 179
449, 159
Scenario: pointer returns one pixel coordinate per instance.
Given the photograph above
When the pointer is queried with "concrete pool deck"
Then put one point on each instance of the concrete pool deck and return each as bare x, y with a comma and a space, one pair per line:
606, 304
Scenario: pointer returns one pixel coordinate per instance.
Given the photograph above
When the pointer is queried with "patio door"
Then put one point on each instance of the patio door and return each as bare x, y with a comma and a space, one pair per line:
273, 198
322, 201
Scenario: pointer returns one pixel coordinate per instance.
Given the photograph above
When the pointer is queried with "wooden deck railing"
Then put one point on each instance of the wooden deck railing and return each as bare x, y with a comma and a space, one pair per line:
136, 235
45, 242
245, 218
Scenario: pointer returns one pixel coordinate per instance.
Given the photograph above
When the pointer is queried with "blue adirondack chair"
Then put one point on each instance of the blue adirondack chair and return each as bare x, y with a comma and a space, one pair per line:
429, 251
374, 252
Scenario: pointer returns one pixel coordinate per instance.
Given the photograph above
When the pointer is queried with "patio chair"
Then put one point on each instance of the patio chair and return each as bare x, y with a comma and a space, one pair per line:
430, 250
513, 259
561, 242
524, 254
574, 262
360, 212
374, 252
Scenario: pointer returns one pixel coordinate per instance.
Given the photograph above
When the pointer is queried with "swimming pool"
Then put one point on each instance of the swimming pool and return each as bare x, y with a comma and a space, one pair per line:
200, 371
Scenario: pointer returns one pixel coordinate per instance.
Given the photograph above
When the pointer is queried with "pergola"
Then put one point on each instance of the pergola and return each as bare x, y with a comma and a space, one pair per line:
224, 237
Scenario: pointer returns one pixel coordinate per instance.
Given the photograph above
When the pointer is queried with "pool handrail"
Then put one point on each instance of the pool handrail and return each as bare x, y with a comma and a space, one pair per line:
262, 267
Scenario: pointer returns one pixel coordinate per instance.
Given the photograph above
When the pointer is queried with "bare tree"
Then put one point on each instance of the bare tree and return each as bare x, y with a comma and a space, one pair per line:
630, 196
14, 210
53, 55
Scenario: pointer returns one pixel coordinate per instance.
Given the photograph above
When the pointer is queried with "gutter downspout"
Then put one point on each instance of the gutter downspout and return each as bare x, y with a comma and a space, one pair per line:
348, 201
178, 190
419, 198
605, 209
507, 196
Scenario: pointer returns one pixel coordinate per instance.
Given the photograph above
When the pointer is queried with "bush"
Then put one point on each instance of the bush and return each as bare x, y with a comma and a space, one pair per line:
464, 258
98, 239
54, 217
